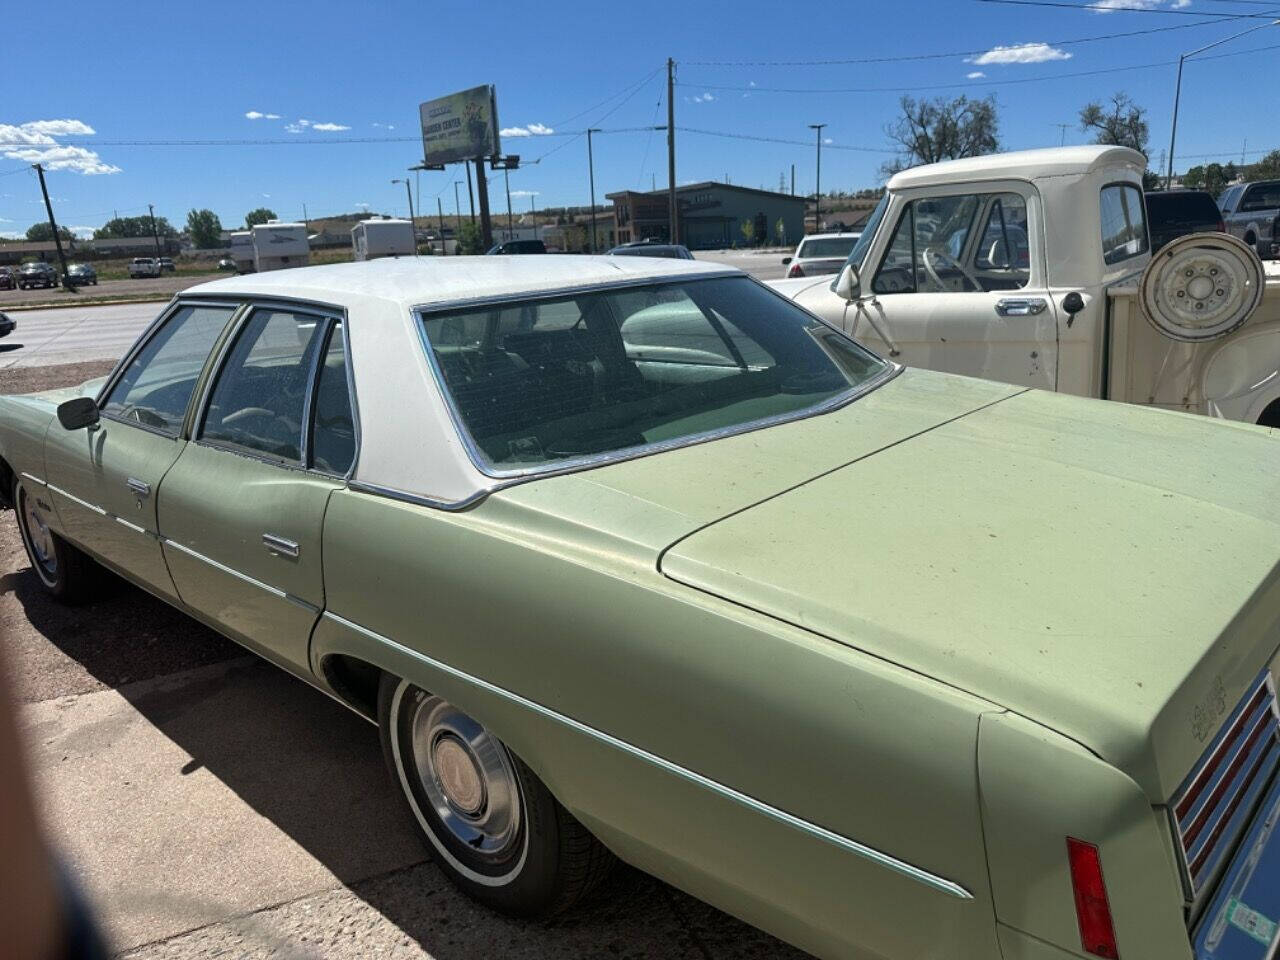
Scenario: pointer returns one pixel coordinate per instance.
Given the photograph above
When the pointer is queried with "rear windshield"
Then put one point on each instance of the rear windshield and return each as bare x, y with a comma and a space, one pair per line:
1124, 223
1182, 206
546, 381
670, 253
833, 247
1261, 196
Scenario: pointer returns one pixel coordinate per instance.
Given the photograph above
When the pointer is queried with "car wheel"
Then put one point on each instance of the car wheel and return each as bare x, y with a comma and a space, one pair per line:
65, 572
489, 822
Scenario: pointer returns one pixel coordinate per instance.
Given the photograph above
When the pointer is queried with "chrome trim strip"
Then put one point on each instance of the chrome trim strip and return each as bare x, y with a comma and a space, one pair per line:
28, 476
781, 816
74, 499
133, 526
274, 591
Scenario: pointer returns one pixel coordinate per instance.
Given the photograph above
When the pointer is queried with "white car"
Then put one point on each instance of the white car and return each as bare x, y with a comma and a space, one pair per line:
140, 267
819, 254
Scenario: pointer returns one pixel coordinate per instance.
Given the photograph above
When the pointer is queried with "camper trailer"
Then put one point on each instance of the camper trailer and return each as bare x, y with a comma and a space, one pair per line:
277, 245
242, 250
383, 238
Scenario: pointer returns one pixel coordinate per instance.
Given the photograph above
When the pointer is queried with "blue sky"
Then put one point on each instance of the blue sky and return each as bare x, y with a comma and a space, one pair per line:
326, 70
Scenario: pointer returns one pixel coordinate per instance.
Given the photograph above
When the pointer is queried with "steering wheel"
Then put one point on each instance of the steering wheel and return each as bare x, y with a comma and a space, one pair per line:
945, 260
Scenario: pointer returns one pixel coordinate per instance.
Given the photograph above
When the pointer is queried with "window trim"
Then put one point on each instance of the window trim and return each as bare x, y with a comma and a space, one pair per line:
418, 314
236, 305
1146, 224
351, 395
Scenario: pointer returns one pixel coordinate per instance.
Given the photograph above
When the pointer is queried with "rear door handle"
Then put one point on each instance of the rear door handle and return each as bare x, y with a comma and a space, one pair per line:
280, 545
140, 487
1021, 306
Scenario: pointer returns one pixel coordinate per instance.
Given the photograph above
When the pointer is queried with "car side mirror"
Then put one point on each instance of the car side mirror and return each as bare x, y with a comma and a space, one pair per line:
849, 283
785, 261
78, 413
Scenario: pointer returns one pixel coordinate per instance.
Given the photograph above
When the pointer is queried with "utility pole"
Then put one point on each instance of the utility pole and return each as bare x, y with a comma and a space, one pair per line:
57, 240
591, 173
793, 179
533, 215
817, 183
482, 188
1062, 140
673, 212
413, 226
471, 197
440, 211
457, 219
155, 234
506, 177
305, 221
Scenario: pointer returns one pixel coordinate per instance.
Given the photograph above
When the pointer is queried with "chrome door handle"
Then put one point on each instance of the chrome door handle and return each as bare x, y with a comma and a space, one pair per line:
281, 546
140, 487
1021, 306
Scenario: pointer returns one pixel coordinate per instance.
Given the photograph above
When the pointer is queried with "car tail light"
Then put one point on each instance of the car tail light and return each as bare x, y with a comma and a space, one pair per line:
1097, 933
1222, 226
795, 271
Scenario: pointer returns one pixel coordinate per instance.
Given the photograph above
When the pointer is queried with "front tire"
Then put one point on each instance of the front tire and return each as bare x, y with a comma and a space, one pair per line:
490, 824
65, 572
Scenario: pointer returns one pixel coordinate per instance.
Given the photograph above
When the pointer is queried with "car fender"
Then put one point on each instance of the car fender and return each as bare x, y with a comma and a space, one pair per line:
1241, 378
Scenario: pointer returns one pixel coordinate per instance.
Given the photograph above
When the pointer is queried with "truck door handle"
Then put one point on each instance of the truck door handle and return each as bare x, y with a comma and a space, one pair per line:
1021, 306
139, 487
280, 546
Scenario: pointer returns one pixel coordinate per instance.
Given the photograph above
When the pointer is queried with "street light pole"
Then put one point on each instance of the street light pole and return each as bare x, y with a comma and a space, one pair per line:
817, 188
506, 176
457, 220
1177, 92
591, 172
413, 229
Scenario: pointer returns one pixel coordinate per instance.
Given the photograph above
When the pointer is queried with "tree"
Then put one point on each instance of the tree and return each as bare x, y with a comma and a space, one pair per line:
1268, 168
748, 228
1120, 123
40, 232
942, 129
780, 232
261, 215
205, 229
469, 239
121, 228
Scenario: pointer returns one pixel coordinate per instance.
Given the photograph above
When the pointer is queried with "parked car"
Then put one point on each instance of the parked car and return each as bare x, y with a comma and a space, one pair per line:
144, 267
888, 662
7, 325
820, 254
7, 280
226, 263
1035, 268
37, 274
508, 247
1252, 213
1175, 213
167, 265
82, 273
648, 248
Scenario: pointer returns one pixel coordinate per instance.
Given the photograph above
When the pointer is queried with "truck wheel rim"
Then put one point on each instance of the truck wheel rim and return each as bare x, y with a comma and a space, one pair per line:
467, 777
38, 538
1201, 287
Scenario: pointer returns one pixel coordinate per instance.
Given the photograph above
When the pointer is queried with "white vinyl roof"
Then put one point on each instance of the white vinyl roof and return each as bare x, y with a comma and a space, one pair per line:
408, 441
1020, 165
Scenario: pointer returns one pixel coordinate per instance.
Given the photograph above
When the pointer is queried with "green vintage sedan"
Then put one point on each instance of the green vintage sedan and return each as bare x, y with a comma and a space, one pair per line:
636, 559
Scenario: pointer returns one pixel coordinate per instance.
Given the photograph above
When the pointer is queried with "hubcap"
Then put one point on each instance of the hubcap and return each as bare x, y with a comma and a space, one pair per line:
39, 537
467, 777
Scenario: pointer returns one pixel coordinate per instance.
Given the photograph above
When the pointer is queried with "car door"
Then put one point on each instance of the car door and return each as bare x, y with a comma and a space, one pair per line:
103, 480
242, 508
960, 286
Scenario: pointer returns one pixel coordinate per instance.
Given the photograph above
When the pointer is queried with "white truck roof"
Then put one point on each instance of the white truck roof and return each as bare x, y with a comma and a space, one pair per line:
1019, 165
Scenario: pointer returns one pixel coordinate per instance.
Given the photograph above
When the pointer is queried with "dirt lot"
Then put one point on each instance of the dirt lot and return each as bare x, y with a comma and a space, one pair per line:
214, 806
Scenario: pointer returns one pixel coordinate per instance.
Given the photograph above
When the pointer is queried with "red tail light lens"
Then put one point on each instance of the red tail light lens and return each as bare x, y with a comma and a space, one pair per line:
1097, 933
795, 271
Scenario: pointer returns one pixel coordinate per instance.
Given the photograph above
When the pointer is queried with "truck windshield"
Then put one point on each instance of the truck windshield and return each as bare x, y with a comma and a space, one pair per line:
543, 382
859, 252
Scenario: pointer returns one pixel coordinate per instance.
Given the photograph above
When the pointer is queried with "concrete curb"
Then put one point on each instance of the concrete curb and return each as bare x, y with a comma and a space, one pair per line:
157, 298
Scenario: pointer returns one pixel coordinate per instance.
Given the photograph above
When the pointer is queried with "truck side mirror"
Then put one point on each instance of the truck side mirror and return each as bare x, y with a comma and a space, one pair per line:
78, 413
849, 283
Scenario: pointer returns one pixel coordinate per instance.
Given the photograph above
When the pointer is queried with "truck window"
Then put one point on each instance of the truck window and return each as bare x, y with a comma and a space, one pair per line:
1261, 196
1124, 223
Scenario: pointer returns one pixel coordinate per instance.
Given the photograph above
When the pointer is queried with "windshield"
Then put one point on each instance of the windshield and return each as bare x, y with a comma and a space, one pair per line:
827, 247
859, 252
542, 381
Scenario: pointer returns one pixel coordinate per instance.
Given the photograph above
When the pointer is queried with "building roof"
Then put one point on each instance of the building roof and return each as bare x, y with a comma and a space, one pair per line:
706, 185
1020, 165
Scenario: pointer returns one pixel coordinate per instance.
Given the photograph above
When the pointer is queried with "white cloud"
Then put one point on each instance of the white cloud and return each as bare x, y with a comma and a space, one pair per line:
253, 115
524, 193
704, 97
293, 128
1106, 6
328, 127
84, 233
384, 126
975, 75
34, 143
1020, 53
827, 140
532, 130
12, 235
5, 220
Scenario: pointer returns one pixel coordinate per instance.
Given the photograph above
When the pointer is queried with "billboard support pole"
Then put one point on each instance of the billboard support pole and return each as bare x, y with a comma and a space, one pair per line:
482, 188
673, 211
471, 195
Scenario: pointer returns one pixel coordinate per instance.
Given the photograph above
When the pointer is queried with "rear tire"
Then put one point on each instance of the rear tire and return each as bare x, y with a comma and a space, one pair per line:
66, 573
488, 821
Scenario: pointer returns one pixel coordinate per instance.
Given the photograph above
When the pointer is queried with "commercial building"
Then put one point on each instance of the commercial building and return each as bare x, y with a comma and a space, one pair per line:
711, 215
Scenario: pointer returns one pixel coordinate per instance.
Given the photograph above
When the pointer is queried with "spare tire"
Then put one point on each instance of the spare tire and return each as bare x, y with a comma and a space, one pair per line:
1201, 287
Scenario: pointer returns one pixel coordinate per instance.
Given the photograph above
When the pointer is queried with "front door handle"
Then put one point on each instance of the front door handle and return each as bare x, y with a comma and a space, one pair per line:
280, 546
139, 487
1021, 306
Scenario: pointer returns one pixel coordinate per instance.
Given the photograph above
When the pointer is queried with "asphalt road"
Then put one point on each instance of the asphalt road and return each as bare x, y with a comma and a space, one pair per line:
74, 334
212, 805
765, 265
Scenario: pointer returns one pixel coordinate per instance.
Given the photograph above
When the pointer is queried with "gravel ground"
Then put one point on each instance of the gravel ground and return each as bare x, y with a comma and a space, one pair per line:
157, 287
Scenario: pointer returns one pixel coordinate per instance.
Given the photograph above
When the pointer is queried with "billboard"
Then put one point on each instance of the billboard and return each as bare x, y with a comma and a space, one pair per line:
461, 126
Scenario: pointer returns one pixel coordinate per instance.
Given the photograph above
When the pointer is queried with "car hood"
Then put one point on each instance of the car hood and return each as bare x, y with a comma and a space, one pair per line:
793, 288
1106, 570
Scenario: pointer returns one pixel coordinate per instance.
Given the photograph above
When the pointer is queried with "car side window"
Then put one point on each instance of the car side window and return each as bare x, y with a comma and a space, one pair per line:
1261, 196
1124, 223
333, 424
925, 252
259, 399
155, 389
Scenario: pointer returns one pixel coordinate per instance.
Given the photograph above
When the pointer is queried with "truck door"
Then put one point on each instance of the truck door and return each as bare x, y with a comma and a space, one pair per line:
961, 287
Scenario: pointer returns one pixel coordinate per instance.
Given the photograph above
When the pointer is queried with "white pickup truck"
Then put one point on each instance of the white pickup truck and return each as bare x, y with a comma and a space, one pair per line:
1035, 268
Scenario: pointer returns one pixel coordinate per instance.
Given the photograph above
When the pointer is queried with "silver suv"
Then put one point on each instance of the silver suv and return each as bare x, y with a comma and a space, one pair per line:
140, 267
1251, 212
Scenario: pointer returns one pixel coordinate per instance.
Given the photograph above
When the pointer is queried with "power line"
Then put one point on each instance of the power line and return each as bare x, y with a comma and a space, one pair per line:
610, 112
795, 143
1061, 4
